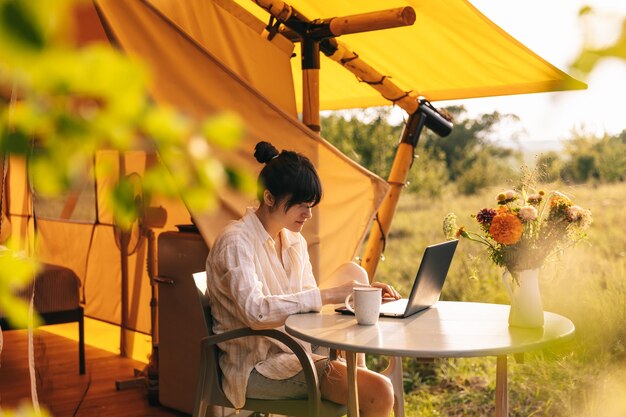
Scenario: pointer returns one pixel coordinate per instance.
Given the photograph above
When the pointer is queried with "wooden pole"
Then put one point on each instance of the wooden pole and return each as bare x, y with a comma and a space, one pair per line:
310, 51
397, 180
382, 221
311, 84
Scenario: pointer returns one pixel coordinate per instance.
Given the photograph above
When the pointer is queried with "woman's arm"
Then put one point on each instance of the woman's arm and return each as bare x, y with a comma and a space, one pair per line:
236, 272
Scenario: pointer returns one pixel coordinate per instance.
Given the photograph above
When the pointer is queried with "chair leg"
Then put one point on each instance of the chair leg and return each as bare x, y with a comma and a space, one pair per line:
81, 344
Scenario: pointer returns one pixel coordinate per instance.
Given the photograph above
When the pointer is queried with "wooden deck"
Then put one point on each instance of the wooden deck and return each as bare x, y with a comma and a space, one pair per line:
61, 389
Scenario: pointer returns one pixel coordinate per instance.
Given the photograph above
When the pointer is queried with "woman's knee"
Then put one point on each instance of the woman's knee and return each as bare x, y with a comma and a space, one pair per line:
376, 391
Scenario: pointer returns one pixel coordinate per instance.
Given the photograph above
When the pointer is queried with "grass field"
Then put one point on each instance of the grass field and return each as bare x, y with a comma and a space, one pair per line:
586, 377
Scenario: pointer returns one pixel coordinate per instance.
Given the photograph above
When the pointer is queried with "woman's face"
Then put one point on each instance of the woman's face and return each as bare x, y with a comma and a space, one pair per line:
295, 217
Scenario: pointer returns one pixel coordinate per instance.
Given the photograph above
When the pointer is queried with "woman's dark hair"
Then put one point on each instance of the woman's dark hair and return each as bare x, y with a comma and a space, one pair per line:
287, 175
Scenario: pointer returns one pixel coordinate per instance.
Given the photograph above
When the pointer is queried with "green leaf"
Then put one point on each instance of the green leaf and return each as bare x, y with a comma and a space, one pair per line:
47, 177
125, 207
224, 130
15, 142
17, 312
21, 24
159, 181
241, 180
199, 199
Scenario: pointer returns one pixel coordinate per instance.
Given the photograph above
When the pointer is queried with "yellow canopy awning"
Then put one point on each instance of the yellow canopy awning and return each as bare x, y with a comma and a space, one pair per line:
452, 51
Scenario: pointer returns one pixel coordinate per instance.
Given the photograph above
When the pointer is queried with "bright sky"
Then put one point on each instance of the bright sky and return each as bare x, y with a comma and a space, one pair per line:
553, 30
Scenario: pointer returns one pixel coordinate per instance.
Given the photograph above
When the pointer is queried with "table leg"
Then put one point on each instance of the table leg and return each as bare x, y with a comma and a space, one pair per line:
394, 373
353, 393
502, 388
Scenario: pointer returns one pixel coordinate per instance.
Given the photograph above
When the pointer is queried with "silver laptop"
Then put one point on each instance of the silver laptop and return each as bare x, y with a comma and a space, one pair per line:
427, 285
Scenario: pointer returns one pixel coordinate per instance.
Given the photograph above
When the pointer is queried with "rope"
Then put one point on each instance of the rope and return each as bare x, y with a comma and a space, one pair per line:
395, 100
272, 28
379, 82
31, 355
352, 58
2, 185
382, 234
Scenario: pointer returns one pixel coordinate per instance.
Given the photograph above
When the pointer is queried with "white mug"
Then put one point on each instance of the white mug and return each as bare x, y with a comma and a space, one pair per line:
366, 304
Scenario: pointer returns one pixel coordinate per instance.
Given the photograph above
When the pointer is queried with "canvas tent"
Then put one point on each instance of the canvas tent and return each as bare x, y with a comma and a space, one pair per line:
213, 56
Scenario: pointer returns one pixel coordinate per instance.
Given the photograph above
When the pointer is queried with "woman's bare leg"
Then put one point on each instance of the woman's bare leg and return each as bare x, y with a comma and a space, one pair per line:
375, 390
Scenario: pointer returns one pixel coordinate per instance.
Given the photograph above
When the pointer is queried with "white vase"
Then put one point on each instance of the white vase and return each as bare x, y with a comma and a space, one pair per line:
526, 307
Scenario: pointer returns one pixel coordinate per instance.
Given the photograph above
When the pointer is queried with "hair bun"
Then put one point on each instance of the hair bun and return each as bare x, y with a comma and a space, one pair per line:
265, 152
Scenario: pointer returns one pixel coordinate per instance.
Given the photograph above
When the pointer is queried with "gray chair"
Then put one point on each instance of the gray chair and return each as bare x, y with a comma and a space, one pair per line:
209, 390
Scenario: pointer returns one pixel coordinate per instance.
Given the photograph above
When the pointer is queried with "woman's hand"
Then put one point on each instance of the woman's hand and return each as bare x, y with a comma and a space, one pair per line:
387, 290
336, 295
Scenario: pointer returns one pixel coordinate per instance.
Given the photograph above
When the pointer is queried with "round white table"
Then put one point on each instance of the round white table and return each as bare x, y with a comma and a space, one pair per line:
446, 330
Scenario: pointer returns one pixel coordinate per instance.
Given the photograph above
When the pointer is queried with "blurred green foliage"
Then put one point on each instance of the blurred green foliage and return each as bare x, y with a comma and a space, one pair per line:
598, 159
468, 159
365, 136
590, 56
16, 272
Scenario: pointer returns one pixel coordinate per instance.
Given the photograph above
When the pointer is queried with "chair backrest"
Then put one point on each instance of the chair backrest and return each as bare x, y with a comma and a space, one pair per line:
213, 372
199, 278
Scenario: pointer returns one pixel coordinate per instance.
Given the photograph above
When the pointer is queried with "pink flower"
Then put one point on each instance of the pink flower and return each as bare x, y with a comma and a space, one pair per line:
510, 194
577, 214
535, 199
527, 213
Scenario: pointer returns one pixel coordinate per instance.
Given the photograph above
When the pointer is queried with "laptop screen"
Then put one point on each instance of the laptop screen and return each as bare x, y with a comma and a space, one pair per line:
431, 276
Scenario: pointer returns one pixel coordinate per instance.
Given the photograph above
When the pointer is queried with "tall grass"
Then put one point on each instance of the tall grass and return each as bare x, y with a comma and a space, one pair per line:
584, 378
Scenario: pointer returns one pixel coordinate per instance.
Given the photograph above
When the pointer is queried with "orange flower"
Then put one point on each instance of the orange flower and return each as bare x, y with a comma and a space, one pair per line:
506, 228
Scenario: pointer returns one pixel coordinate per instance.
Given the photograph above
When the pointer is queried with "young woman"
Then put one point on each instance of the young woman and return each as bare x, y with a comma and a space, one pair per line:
259, 273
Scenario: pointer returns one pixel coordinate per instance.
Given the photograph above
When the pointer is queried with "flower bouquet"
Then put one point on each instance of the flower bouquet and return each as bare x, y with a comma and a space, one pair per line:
520, 233
525, 228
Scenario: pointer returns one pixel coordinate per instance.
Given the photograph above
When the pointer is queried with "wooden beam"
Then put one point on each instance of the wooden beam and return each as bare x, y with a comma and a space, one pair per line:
365, 22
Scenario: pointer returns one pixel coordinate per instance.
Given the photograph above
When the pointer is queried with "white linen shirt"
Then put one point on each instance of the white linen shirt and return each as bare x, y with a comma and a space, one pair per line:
249, 287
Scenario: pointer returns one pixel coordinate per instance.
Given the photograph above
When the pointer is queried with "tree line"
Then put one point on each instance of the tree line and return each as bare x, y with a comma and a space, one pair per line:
471, 157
